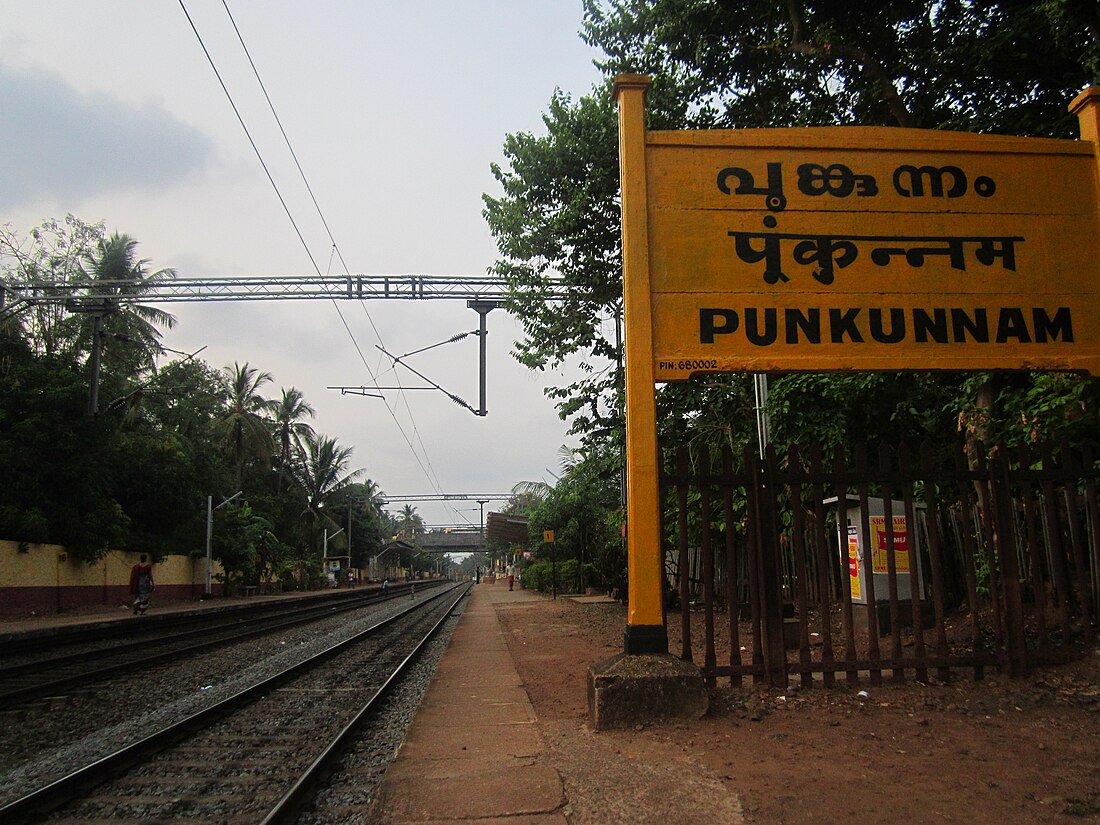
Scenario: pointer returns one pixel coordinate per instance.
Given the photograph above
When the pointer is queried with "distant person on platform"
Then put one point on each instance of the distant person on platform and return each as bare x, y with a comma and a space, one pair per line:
141, 584
385, 586
351, 578
511, 576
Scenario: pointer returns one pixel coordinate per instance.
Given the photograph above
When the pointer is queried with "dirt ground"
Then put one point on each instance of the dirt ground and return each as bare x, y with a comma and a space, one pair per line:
996, 751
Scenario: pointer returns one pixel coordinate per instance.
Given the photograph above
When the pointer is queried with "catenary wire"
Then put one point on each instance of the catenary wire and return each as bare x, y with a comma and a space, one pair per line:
429, 474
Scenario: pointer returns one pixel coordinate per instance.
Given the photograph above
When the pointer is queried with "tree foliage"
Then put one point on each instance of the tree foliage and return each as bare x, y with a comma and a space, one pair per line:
584, 510
1001, 66
51, 252
245, 424
130, 331
558, 218
168, 435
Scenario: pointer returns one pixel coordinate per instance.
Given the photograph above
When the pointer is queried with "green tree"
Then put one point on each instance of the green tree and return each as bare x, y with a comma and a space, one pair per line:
1001, 66
130, 331
289, 414
998, 66
51, 253
57, 466
409, 523
558, 219
472, 563
583, 508
246, 545
323, 475
138, 475
356, 506
245, 423
170, 461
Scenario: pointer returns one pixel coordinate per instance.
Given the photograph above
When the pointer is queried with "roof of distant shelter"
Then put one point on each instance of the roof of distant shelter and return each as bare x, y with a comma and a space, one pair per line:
506, 527
456, 542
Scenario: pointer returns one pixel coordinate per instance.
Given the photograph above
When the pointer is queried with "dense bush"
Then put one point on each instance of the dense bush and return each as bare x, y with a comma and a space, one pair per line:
539, 576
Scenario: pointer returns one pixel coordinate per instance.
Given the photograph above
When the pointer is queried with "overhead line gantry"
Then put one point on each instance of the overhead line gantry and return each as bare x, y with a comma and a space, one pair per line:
382, 498
486, 288
482, 294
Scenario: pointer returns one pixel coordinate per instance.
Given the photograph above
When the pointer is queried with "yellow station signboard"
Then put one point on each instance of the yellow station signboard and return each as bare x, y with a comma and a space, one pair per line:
860, 248
851, 248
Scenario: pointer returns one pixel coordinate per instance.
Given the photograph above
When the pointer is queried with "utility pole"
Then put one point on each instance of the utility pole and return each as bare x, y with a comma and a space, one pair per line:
97, 310
327, 537
93, 362
210, 508
481, 530
763, 425
482, 308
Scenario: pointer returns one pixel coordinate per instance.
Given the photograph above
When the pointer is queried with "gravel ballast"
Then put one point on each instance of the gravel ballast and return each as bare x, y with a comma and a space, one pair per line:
54, 736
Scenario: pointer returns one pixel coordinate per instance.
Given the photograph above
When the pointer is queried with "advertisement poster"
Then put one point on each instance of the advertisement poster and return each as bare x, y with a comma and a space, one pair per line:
853, 563
878, 544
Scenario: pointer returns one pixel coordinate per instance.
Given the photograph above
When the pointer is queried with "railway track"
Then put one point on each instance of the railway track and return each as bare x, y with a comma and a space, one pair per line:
257, 755
54, 672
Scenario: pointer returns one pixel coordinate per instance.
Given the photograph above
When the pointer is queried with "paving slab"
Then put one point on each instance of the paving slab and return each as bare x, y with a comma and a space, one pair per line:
482, 757
474, 727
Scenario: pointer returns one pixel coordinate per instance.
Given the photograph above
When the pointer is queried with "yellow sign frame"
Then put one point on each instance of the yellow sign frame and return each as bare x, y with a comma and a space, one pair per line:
844, 248
871, 248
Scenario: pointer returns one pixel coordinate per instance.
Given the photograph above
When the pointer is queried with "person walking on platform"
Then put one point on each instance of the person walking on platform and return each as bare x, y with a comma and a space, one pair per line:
141, 584
511, 576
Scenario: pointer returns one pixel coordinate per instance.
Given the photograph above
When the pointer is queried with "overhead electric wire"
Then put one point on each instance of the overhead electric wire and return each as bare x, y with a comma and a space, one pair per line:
452, 340
248, 134
452, 396
428, 471
286, 138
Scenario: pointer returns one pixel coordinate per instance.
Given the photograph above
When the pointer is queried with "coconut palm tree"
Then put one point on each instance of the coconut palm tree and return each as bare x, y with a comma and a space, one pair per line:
371, 491
245, 424
129, 332
539, 491
322, 473
290, 427
409, 522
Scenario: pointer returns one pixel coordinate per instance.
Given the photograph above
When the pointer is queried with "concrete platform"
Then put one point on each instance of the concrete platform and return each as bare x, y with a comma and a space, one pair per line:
478, 753
456, 763
98, 614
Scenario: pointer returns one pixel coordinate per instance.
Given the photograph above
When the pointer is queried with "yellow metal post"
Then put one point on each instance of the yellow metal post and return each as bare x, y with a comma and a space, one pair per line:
645, 631
1087, 108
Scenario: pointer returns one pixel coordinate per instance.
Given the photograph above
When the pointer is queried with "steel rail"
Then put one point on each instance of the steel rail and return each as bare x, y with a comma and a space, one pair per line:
139, 650
14, 644
287, 809
68, 787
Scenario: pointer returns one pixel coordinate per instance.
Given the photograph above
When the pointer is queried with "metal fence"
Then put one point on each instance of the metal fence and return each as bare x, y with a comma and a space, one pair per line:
1002, 545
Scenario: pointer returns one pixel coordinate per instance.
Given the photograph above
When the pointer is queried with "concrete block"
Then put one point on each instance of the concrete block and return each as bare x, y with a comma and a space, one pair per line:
625, 691
792, 634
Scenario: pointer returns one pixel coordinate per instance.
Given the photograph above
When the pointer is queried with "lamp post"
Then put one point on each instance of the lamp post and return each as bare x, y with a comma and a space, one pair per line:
327, 537
210, 533
481, 503
374, 562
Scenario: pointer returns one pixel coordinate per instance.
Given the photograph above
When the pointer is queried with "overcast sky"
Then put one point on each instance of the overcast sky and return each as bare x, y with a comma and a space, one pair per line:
109, 110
